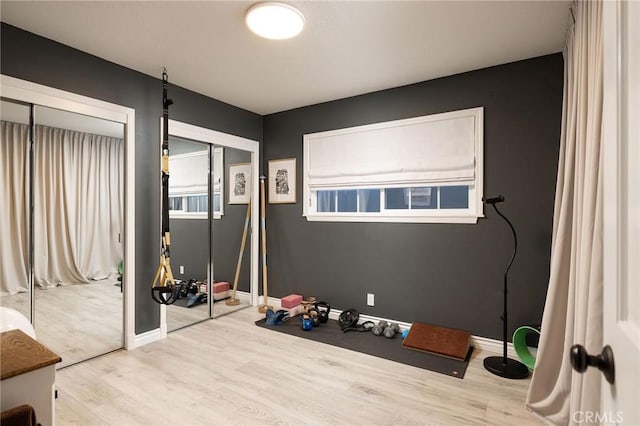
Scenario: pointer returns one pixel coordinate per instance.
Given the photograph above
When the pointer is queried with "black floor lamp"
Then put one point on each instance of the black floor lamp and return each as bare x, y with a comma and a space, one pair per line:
501, 365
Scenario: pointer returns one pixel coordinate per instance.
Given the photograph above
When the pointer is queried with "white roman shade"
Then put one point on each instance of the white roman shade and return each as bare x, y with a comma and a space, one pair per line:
438, 148
188, 173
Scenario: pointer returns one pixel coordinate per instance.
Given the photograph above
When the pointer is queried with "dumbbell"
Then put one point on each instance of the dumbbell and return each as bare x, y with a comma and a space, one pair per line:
378, 329
391, 330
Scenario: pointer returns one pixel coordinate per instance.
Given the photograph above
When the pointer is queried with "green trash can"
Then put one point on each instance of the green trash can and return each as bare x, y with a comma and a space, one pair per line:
520, 345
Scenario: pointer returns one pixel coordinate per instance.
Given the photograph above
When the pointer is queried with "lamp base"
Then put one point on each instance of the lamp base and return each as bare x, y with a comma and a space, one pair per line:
512, 369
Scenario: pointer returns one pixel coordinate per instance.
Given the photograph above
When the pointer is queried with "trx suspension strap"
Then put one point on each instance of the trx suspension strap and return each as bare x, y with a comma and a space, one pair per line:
164, 289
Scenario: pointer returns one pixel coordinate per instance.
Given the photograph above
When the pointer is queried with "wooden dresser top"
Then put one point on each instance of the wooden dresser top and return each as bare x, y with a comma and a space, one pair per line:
19, 354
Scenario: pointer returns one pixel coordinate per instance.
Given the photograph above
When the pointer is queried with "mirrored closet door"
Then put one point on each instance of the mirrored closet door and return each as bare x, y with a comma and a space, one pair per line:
15, 181
189, 210
78, 199
209, 191
229, 232
69, 171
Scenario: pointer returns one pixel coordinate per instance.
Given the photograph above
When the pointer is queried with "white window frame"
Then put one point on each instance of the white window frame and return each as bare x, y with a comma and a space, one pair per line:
469, 215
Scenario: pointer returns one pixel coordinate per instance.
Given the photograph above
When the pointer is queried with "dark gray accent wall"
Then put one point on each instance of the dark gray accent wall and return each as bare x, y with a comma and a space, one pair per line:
30, 57
443, 274
189, 248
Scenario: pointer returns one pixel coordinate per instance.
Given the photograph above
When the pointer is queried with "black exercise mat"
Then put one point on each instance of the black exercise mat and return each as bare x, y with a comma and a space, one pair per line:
182, 302
370, 344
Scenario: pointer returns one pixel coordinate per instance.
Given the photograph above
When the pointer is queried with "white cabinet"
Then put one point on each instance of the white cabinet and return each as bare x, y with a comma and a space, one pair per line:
27, 370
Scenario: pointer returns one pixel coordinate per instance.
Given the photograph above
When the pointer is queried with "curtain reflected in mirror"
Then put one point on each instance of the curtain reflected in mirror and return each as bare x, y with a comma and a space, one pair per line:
72, 247
77, 233
15, 184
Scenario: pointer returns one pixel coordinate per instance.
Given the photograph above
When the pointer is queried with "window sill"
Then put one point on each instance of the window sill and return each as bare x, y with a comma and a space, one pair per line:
469, 219
193, 216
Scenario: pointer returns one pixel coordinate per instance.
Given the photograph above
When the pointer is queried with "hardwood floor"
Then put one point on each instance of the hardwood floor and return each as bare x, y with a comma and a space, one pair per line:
230, 372
75, 321
178, 317
85, 320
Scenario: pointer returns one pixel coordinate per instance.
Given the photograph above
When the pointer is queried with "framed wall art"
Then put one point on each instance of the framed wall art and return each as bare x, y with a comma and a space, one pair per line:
282, 181
239, 183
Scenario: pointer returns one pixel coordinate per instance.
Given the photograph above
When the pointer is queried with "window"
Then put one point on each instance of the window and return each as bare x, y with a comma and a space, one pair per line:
188, 186
196, 203
175, 204
424, 169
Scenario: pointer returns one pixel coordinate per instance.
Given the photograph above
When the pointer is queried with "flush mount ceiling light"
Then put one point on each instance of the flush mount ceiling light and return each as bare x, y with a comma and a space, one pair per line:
273, 20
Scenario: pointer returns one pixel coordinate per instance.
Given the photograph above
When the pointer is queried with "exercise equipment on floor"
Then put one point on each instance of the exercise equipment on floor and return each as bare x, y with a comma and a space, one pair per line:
521, 346
366, 343
386, 329
265, 306
323, 309
441, 341
276, 317
187, 287
306, 322
233, 301
194, 299
364, 327
221, 290
163, 287
348, 319
191, 290
292, 304
307, 304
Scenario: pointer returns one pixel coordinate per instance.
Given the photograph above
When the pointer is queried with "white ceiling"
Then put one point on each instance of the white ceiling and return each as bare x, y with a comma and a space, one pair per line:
347, 47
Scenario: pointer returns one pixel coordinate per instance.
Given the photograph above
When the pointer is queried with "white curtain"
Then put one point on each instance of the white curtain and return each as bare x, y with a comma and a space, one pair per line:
14, 196
573, 309
78, 205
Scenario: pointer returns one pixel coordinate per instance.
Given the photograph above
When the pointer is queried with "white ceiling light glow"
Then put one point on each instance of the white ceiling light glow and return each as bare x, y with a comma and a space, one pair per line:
275, 21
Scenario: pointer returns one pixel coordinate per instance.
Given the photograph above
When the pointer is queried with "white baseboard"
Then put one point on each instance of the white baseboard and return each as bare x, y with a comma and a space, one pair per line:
145, 338
161, 332
334, 314
245, 297
271, 301
486, 344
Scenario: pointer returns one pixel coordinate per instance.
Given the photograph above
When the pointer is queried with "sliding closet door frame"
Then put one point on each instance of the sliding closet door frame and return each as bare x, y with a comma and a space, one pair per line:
38, 94
213, 137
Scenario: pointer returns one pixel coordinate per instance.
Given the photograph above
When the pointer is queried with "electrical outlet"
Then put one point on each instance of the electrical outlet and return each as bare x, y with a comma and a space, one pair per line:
181, 269
370, 299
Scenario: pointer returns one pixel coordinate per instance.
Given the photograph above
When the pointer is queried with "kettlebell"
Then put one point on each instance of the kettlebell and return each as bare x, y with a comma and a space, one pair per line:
306, 323
315, 317
323, 310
